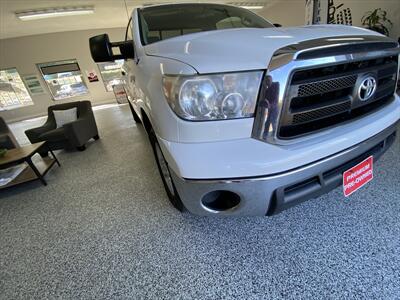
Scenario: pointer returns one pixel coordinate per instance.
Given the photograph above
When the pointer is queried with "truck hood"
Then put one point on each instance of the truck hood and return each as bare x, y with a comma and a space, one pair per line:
243, 48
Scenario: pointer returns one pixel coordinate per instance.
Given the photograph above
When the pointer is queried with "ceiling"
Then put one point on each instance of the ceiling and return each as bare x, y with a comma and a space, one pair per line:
108, 14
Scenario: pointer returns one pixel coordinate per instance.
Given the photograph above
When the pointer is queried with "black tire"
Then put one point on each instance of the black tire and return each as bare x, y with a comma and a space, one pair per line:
165, 173
134, 114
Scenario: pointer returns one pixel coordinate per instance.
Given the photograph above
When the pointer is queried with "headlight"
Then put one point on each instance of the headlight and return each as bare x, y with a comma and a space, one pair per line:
213, 97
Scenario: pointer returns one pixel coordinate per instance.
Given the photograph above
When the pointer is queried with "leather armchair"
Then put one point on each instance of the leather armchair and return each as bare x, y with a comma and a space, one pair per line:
71, 135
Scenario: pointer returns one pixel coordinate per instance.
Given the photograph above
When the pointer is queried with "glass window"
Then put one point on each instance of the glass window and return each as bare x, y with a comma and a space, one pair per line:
111, 73
178, 19
232, 22
13, 93
64, 79
154, 36
166, 34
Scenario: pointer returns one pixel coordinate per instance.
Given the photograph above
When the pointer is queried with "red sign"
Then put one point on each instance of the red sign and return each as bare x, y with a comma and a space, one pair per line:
358, 176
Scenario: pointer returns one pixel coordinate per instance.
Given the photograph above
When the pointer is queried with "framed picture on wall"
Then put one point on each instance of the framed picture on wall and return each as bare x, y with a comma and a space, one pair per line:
92, 76
33, 85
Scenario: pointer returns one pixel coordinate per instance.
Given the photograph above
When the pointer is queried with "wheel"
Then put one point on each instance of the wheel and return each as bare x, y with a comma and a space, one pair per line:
134, 114
96, 137
165, 173
81, 148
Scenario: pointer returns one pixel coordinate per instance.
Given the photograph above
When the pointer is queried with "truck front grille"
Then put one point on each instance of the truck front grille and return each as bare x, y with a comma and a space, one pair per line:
325, 86
324, 96
321, 112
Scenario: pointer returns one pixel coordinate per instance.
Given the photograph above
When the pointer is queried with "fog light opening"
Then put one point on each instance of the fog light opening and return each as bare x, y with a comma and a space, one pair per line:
219, 201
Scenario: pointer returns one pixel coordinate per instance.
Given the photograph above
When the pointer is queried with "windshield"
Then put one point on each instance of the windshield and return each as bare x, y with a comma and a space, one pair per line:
167, 21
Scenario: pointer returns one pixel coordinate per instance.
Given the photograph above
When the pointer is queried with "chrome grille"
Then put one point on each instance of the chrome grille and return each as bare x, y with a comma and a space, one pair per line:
321, 113
313, 85
325, 96
324, 86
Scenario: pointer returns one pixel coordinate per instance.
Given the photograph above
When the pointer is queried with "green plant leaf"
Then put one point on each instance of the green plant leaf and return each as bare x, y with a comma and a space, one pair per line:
377, 18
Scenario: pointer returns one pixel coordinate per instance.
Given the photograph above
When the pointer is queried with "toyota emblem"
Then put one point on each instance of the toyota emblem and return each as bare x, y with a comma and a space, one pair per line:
367, 88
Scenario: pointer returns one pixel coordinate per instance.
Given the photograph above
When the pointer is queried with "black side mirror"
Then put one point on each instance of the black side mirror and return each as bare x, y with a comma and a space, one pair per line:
101, 49
277, 25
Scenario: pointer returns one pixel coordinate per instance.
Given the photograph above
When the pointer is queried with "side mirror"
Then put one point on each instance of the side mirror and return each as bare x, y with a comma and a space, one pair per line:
101, 49
277, 25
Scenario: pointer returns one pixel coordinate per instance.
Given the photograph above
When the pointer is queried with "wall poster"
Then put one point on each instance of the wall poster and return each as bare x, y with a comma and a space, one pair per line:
92, 76
327, 12
120, 93
33, 85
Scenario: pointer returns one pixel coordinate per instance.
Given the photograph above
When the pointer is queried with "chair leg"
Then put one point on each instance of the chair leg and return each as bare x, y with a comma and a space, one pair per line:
81, 148
96, 137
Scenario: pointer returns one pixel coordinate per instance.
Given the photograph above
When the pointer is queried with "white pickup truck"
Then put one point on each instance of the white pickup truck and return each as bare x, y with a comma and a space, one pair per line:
246, 118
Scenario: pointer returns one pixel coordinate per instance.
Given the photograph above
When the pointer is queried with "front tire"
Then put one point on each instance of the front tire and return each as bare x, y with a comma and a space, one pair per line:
165, 173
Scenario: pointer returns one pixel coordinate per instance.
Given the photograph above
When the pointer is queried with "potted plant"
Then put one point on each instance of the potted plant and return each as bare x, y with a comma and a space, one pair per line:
377, 20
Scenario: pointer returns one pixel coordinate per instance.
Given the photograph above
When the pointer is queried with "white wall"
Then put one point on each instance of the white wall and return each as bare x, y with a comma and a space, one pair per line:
25, 52
292, 12
285, 12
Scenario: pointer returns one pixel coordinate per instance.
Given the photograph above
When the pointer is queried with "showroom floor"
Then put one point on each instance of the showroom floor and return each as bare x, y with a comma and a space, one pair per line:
103, 228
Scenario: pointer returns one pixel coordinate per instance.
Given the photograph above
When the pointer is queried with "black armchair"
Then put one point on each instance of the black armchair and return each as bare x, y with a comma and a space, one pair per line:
71, 135
7, 139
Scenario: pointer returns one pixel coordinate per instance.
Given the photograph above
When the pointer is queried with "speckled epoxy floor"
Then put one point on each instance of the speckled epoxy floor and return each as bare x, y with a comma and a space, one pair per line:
103, 229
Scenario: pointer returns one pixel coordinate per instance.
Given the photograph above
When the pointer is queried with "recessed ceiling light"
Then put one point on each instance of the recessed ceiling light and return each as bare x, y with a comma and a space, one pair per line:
248, 5
252, 7
54, 12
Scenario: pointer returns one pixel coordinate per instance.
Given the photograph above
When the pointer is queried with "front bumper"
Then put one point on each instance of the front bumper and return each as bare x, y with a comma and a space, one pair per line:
266, 195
